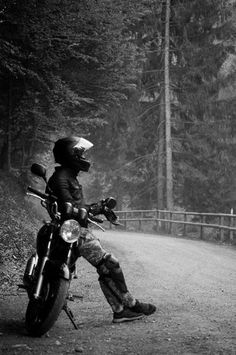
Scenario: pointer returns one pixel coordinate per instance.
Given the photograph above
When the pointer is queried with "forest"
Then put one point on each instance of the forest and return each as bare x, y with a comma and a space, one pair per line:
151, 83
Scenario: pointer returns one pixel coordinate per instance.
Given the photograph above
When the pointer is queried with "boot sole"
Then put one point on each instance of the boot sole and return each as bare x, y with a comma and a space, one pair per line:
149, 313
124, 319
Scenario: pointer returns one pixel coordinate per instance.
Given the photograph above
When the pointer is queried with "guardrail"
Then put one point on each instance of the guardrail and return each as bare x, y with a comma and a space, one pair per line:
164, 220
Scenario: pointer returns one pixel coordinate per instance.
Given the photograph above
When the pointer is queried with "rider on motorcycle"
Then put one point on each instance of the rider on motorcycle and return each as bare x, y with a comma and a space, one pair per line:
69, 153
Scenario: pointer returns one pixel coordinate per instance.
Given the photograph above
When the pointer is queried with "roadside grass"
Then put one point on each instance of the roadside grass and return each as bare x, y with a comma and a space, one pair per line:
18, 228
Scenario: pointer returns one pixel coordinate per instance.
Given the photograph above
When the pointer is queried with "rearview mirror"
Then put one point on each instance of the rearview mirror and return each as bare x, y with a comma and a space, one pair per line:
38, 170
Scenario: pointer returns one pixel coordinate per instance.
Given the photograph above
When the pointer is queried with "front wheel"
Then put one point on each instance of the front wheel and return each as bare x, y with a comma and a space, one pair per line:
41, 314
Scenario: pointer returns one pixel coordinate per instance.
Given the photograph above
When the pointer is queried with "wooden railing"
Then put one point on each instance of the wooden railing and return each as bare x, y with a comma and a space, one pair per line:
163, 220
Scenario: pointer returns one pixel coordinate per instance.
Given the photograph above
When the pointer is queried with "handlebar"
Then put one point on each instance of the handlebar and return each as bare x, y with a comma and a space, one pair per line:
40, 194
36, 192
95, 219
96, 222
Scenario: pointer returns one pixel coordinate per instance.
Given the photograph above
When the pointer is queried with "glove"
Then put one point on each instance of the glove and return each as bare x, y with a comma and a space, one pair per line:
111, 216
110, 203
99, 207
79, 214
96, 208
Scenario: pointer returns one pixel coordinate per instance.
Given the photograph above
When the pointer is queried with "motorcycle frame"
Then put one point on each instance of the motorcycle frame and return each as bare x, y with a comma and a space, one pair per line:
64, 270
43, 263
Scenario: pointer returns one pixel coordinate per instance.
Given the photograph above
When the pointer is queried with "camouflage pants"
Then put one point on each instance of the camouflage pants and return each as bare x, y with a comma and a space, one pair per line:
90, 248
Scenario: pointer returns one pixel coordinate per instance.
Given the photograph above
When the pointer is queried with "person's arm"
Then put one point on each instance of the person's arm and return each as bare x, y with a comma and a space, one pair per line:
62, 188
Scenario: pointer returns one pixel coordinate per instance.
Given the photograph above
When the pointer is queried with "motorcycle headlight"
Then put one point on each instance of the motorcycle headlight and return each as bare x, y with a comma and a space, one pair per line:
70, 231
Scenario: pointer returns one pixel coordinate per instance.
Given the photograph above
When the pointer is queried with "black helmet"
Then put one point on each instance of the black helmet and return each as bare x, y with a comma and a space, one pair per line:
69, 151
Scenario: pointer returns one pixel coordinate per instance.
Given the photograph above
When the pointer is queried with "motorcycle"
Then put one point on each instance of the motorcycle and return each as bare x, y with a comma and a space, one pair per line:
50, 269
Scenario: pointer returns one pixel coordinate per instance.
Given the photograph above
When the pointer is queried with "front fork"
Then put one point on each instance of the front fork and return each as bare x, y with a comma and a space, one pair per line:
30, 269
40, 275
39, 284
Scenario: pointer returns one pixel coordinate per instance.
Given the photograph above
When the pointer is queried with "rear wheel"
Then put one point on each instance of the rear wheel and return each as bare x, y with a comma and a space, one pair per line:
42, 313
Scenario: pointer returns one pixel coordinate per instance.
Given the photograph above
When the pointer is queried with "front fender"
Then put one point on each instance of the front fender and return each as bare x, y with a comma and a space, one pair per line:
55, 269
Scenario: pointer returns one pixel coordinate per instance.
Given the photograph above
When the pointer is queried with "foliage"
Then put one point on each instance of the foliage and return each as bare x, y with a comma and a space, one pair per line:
61, 67
17, 232
96, 68
202, 121
202, 57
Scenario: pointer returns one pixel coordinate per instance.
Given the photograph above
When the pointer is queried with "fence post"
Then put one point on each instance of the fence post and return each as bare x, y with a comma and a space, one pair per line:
157, 222
185, 220
203, 220
165, 223
170, 223
162, 224
140, 222
125, 221
231, 233
221, 229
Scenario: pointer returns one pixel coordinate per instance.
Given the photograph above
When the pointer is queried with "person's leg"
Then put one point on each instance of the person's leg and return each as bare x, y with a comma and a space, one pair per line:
111, 279
115, 291
112, 276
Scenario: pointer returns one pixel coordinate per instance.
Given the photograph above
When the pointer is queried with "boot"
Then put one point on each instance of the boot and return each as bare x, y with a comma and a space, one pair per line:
126, 315
145, 308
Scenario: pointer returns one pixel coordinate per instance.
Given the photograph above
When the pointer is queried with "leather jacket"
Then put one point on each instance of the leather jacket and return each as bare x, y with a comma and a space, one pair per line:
65, 186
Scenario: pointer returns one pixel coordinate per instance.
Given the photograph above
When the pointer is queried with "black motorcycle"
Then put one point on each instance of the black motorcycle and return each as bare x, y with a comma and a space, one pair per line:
49, 271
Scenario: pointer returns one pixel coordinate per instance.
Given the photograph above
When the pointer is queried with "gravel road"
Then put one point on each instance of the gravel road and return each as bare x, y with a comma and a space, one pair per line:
192, 283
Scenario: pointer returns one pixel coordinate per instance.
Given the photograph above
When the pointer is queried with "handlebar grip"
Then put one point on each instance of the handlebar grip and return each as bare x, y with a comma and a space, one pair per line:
36, 192
95, 219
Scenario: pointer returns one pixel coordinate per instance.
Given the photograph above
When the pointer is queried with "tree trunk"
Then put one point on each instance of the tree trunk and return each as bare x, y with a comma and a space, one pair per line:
8, 160
169, 177
160, 157
7, 147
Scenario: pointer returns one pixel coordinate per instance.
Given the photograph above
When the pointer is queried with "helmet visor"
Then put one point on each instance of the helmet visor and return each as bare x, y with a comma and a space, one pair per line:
82, 145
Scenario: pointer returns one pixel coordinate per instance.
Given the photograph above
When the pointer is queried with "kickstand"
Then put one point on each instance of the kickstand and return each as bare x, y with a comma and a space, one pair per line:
70, 315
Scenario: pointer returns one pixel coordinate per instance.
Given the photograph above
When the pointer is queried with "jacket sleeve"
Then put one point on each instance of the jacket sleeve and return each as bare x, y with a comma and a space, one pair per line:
62, 189
67, 191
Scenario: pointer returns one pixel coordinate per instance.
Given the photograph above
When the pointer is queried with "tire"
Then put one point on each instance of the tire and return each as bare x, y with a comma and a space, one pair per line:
42, 314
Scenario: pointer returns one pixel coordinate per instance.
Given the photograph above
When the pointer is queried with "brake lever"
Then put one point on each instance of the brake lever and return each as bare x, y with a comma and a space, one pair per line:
96, 224
95, 219
34, 195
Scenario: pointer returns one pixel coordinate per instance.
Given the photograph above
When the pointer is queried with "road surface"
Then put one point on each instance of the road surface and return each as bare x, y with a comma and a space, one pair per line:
192, 283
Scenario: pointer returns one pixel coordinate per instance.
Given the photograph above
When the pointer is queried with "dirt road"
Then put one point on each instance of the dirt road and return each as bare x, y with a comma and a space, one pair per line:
193, 284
